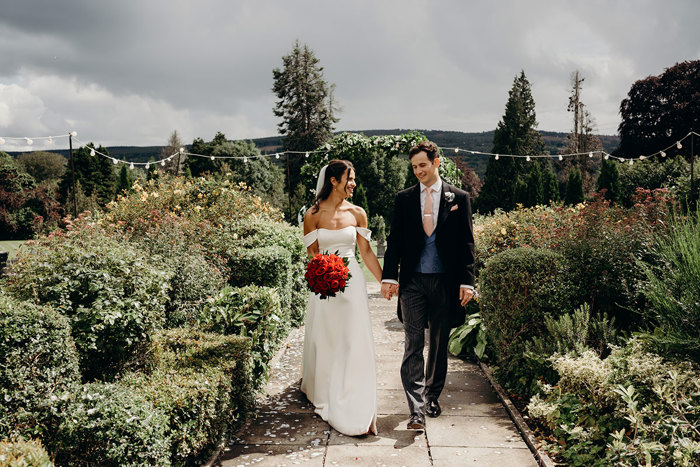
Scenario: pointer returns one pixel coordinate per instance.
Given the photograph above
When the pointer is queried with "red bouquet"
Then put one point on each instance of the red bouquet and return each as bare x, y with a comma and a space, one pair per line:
327, 274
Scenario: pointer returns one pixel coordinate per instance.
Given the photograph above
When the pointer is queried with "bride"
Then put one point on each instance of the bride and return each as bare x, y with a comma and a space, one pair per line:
338, 369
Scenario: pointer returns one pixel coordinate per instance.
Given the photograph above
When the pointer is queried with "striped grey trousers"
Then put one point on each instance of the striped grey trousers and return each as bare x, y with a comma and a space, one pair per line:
424, 303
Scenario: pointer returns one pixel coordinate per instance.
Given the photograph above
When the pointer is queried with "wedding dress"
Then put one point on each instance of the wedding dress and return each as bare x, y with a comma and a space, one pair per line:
338, 366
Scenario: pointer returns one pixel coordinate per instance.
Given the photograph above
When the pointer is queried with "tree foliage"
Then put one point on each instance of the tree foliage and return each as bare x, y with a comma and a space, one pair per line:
176, 165
95, 174
609, 180
515, 134
43, 165
305, 104
660, 110
574, 187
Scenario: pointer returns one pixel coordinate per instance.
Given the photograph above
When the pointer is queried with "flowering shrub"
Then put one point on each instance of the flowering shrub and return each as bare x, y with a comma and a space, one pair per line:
630, 408
20, 452
112, 294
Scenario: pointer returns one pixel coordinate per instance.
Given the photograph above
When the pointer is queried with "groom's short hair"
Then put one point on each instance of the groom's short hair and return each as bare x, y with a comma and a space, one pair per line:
428, 147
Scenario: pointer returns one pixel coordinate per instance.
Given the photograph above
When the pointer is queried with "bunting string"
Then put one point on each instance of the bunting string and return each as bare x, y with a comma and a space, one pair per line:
29, 141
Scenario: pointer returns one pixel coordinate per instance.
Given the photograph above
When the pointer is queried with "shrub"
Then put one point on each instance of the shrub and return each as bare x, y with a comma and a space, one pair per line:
202, 383
37, 359
631, 408
673, 288
23, 453
112, 294
269, 266
250, 311
518, 289
109, 425
471, 337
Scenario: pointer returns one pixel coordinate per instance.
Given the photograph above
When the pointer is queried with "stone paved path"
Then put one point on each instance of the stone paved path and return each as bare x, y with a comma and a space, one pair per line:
474, 428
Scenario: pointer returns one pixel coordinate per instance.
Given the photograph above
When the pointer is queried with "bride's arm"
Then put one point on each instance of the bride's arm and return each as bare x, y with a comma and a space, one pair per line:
365, 248
310, 226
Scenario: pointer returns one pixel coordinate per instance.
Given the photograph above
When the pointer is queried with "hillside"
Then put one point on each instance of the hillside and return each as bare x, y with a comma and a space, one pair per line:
480, 141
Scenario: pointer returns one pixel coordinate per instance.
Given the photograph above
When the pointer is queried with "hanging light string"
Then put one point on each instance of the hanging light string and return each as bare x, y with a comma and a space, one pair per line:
29, 140
326, 149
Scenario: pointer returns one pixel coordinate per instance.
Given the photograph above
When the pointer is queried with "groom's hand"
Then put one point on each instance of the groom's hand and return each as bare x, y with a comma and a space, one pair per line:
465, 294
389, 290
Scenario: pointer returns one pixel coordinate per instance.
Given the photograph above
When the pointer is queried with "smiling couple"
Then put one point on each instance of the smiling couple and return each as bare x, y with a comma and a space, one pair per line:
430, 253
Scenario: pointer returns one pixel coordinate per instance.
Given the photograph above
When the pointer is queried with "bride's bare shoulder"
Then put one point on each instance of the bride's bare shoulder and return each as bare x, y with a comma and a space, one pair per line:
359, 214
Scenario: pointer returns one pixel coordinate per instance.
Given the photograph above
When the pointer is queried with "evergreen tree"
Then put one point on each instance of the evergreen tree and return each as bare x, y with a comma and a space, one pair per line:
535, 186
574, 187
200, 165
609, 180
95, 174
305, 105
359, 198
520, 191
551, 186
152, 172
125, 180
515, 134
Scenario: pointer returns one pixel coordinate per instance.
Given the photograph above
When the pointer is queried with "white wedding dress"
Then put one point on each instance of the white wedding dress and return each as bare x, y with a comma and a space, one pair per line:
338, 369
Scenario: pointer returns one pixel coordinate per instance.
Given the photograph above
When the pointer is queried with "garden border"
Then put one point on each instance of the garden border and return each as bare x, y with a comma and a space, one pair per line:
542, 457
273, 362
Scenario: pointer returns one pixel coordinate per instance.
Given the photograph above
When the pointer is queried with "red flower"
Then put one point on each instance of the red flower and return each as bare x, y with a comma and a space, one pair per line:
327, 274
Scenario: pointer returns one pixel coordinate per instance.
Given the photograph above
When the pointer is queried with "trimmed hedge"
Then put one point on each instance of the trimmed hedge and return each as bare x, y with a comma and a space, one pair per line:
37, 359
518, 288
23, 453
250, 311
202, 383
110, 425
111, 292
269, 266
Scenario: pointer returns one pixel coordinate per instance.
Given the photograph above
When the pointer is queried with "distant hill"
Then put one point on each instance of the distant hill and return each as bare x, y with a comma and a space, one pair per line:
481, 141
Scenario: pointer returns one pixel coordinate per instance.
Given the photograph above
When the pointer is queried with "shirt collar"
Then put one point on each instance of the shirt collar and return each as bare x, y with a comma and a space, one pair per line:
437, 186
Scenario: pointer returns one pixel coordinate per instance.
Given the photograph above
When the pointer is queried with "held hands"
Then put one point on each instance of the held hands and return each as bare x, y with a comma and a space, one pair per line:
389, 290
465, 295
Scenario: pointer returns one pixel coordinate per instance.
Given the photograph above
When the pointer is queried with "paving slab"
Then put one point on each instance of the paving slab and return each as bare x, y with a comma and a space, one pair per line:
474, 428
459, 457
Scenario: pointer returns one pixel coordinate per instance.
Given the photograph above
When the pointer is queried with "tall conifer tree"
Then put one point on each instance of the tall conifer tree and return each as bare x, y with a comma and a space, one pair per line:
305, 105
515, 134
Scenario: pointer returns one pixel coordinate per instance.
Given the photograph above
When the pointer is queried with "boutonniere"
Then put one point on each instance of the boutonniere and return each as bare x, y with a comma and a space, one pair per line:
449, 196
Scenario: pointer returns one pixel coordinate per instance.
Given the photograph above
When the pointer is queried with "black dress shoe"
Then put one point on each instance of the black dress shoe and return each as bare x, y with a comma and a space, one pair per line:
433, 408
417, 422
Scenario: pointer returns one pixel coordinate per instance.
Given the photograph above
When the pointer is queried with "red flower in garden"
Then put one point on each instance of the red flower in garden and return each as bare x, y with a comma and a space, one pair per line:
327, 274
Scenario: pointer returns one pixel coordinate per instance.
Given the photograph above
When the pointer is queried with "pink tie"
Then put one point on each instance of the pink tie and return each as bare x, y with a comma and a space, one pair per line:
428, 212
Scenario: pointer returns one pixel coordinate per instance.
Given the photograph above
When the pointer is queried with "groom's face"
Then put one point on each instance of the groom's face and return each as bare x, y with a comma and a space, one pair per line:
425, 170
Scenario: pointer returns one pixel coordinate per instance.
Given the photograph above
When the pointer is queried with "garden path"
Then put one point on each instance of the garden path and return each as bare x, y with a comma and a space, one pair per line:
474, 428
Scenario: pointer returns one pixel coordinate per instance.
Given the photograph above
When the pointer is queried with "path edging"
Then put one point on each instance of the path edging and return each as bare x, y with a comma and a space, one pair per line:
542, 457
277, 357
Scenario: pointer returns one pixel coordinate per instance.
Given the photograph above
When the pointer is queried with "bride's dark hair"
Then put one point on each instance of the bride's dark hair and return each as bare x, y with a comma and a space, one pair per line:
336, 168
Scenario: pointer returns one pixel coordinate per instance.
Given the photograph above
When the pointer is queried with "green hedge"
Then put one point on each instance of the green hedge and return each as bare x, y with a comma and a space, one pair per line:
37, 359
23, 453
110, 425
112, 293
518, 288
255, 233
251, 311
202, 383
269, 266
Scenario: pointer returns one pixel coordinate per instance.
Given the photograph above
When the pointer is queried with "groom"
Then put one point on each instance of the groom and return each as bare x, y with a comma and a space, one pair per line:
430, 252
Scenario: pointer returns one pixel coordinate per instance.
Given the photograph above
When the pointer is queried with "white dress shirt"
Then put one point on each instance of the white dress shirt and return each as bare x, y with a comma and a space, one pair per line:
437, 194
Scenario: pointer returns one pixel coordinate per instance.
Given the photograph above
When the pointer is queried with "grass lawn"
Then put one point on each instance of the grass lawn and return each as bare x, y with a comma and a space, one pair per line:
11, 246
368, 275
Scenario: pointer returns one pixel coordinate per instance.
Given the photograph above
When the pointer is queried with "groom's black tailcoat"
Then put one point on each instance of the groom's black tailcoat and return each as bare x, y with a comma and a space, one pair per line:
454, 239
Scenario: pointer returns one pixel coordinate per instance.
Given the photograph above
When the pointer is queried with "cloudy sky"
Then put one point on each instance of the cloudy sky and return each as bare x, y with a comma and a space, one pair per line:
129, 72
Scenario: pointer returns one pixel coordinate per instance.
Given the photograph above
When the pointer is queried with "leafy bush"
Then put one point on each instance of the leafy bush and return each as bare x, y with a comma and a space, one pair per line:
631, 408
266, 267
202, 383
37, 359
111, 292
254, 233
673, 288
650, 174
23, 453
518, 289
250, 311
109, 425
471, 337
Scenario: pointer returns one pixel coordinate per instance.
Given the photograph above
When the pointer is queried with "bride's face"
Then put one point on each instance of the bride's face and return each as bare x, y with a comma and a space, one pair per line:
346, 185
